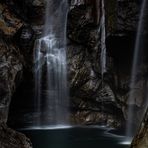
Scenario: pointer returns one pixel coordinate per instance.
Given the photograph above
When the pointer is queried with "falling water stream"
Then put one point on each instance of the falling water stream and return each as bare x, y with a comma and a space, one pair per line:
135, 67
103, 37
51, 92
102, 31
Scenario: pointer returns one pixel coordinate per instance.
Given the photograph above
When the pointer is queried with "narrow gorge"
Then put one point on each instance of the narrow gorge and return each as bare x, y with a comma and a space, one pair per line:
73, 73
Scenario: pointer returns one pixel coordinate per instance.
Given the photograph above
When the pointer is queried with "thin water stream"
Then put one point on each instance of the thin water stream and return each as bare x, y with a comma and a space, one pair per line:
135, 67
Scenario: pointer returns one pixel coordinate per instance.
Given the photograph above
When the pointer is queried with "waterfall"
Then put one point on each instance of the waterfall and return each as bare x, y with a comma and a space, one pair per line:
103, 37
51, 91
136, 63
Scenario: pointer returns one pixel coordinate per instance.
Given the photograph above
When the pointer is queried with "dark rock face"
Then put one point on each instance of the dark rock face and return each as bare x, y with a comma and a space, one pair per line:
9, 24
10, 75
141, 140
88, 92
93, 99
123, 31
128, 12
125, 25
12, 139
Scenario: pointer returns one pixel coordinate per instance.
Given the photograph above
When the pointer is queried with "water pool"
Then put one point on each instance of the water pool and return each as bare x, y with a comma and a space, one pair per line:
77, 137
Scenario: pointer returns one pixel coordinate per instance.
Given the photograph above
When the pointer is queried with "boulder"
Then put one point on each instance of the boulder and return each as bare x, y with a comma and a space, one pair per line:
9, 23
141, 139
12, 139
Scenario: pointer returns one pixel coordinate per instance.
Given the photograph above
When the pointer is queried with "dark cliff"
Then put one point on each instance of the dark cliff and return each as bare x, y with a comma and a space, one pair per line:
93, 100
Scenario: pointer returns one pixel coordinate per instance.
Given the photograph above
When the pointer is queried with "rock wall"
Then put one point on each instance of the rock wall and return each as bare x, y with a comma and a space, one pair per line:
141, 139
120, 45
94, 100
12, 139
11, 68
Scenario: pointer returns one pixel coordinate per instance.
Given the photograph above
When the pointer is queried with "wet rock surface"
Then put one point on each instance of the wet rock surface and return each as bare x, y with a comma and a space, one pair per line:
10, 74
9, 23
141, 139
11, 67
12, 139
94, 99
83, 53
128, 14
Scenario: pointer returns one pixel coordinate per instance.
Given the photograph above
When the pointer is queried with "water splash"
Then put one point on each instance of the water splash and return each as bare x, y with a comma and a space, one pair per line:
51, 92
135, 67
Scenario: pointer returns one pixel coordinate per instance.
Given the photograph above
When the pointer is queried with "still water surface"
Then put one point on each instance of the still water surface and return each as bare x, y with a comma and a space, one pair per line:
76, 137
